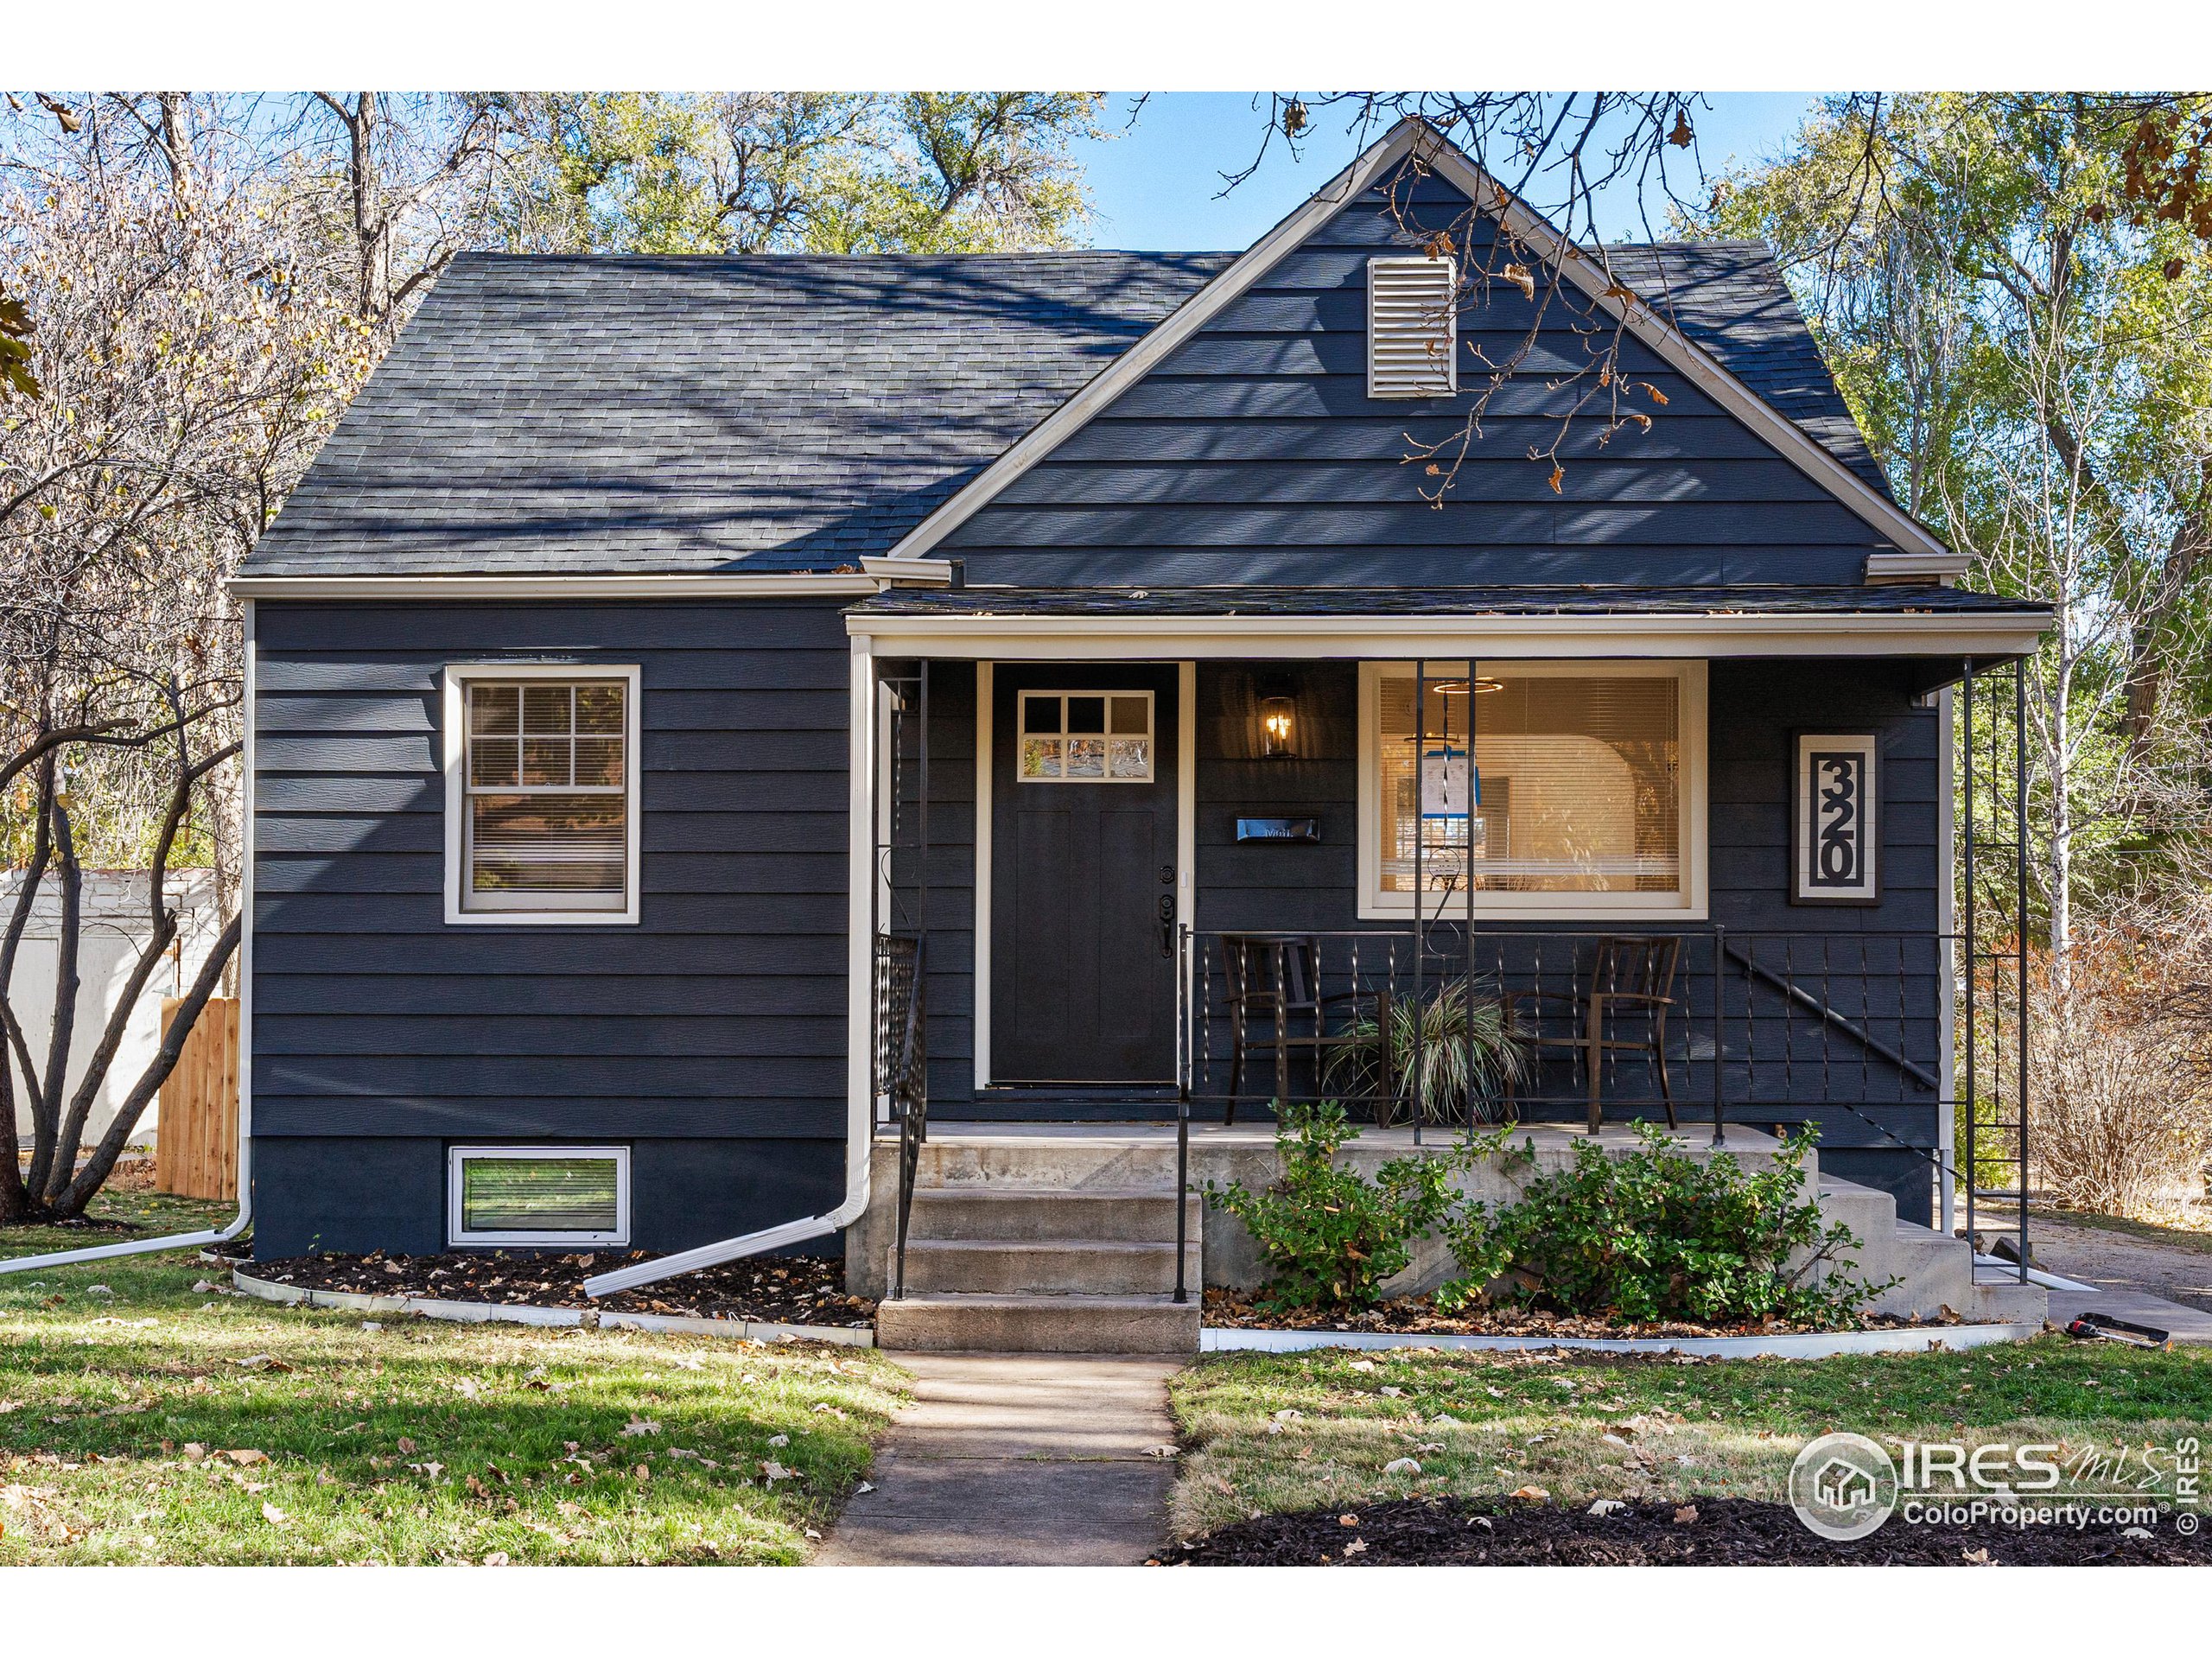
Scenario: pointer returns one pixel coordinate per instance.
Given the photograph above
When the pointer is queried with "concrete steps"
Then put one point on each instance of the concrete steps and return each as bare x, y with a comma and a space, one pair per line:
1033, 1245
983, 1323
1065, 1243
1052, 1267
1144, 1214
1934, 1271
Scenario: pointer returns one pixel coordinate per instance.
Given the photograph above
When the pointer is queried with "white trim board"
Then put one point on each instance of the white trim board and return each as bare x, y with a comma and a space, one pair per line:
1918, 553
1614, 634
542, 586
980, 991
860, 911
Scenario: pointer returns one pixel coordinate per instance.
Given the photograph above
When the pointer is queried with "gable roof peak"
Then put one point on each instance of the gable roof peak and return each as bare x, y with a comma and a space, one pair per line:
1918, 553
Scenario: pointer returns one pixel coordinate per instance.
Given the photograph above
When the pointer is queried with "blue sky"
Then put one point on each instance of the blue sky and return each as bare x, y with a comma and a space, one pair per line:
1155, 183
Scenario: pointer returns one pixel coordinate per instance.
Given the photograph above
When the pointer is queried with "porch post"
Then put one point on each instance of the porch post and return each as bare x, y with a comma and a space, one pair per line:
2020, 923
1421, 892
1947, 925
1467, 876
1972, 1095
922, 871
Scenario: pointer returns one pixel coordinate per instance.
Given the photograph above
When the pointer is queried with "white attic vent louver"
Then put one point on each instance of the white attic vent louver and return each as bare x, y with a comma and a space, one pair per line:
1412, 332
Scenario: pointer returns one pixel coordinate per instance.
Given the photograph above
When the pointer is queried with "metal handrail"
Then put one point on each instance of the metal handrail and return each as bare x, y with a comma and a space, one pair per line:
1805, 999
1182, 1111
902, 1050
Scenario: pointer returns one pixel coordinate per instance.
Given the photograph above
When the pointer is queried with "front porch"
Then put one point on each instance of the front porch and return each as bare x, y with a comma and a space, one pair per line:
1061, 1235
1171, 856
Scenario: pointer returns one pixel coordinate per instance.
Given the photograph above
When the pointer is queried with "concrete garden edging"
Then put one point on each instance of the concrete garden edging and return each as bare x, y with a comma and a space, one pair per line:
1817, 1344
430, 1307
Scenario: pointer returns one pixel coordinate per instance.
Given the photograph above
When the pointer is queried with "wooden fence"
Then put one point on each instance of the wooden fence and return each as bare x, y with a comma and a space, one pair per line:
196, 1154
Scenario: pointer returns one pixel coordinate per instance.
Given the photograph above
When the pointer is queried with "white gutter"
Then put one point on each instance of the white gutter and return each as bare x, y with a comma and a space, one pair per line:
860, 965
244, 1216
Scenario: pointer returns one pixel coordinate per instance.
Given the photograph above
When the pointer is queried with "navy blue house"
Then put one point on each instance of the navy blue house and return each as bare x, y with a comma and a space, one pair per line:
662, 647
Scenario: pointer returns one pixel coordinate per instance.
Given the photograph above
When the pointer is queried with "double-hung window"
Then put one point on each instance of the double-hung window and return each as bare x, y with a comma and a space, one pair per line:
1556, 789
541, 794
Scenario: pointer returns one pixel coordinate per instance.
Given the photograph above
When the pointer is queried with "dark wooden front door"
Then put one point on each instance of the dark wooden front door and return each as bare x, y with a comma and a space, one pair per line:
1082, 874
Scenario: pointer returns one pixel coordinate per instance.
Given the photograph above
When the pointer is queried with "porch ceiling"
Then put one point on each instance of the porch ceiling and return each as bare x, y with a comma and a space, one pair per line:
1877, 620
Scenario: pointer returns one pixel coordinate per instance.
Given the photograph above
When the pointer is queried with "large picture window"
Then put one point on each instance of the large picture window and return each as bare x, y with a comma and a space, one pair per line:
1548, 788
542, 796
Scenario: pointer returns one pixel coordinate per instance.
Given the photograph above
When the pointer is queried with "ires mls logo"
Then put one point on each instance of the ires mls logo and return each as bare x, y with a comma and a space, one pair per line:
1835, 839
1843, 1487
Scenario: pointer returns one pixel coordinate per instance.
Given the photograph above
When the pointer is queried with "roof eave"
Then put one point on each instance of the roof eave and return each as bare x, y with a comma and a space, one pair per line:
1982, 637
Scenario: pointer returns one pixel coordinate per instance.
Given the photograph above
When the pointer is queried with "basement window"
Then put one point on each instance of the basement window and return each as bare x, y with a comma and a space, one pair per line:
1413, 328
538, 1195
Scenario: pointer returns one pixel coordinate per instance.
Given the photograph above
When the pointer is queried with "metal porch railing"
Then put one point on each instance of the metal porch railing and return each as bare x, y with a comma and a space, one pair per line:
1449, 1031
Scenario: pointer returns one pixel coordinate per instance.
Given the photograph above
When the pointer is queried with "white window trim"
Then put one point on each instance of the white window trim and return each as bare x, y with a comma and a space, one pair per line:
458, 677
456, 1156
1688, 904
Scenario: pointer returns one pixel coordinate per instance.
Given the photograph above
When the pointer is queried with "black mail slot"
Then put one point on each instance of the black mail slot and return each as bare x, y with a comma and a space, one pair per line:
1278, 829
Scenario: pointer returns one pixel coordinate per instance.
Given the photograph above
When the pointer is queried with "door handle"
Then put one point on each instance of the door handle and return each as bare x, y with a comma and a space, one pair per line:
1168, 925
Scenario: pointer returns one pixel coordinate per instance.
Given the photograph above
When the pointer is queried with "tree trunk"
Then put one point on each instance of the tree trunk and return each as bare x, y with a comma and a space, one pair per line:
71, 1200
51, 1163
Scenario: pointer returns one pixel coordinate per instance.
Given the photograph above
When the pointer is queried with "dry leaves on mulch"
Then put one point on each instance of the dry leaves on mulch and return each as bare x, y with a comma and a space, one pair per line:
782, 1289
1419, 1315
1712, 1532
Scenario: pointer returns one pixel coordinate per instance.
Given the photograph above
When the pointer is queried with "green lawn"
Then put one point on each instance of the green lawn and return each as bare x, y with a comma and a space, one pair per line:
118, 1215
153, 1423
1676, 1429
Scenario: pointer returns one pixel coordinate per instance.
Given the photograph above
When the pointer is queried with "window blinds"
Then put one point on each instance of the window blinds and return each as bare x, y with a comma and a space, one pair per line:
548, 797
1576, 779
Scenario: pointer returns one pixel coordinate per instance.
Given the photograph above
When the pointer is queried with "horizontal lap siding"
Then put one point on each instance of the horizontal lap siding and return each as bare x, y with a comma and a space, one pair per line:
720, 1013
1254, 455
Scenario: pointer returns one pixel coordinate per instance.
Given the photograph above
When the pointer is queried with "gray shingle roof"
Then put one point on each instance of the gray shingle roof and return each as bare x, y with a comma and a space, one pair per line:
1731, 299
642, 414
783, 413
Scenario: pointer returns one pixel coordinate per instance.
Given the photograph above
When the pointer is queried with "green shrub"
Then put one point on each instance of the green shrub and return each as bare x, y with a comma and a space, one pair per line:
1449, 1056
1657, 1234
1330, 1235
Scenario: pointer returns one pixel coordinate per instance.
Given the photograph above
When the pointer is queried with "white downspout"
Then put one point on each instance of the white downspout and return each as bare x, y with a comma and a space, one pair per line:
860, 1032
1946, 922
245, 1217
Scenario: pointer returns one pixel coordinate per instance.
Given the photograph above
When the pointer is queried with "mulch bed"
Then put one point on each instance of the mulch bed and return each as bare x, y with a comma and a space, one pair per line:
1418, 1315
1712, 1532
778, 1289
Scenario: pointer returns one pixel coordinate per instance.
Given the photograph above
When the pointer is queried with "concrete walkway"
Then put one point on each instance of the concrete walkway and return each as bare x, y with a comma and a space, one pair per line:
2148, 1281
1018, 1459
